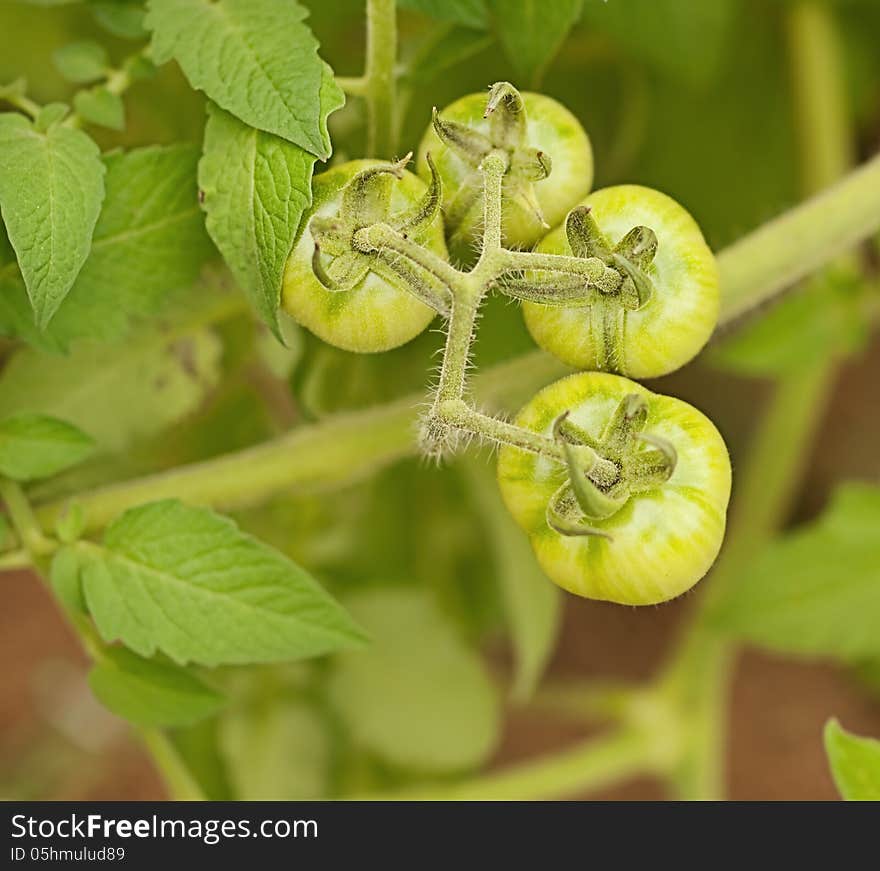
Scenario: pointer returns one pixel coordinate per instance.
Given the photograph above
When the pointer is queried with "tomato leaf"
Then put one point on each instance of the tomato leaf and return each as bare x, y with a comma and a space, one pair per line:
100, 106
454, 46
51, 189
188, 583
256, 187
81, 62
855, 763
816, 591
116, 394
36, 446
684, 40
470, 13
149, 242
149, 693
276, 750
123, 18
417, 696
255, 58
531, 32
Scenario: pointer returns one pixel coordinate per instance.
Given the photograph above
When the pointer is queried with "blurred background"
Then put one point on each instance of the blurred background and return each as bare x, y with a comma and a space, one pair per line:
693, 98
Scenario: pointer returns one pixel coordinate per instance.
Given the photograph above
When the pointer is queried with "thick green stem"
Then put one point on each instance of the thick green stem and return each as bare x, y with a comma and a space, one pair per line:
766, 484
354, 86
592, 765
26, 525
379, 78
453, 373
752, 270
796, 244
344, 448
179, 781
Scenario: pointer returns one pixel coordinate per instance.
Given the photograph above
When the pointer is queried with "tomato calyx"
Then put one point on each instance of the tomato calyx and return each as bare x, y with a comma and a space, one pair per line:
604, 473
508, 133
367, 203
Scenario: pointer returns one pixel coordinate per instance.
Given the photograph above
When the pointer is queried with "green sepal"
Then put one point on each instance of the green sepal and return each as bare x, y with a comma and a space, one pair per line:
507, 116
470, 145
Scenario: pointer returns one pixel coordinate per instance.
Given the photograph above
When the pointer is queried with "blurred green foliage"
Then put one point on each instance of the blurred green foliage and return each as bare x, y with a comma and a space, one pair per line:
692, 98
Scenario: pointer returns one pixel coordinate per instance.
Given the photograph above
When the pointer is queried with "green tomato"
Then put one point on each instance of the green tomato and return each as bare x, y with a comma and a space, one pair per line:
377, 313
664, 530
550, 129
675, 322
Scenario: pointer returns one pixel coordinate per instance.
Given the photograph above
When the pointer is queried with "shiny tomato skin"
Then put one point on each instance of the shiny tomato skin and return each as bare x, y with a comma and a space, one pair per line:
662, 542
376, 315
550, 128
675, 323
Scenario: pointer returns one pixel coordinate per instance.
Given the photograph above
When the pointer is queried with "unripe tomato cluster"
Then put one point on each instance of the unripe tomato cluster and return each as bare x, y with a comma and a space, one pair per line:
626, 501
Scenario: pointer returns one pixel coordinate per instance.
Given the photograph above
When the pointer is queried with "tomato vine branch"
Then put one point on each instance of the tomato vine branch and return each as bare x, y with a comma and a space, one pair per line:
589, 766
349, 446
379, 77
766, 482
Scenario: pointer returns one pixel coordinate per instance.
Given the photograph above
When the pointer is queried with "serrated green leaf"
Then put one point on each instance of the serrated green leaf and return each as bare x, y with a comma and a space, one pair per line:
64, 576
816, 591
37, 446
531, 31
188, 583
149, 693
825, 318
116, 394
149, 242
51, 189
15, 88
256, 187
456, 45
417, 696
71, 523
276, 750
100, 106
470, 13
81, 62
49, 115
855, 763
533, 605
255, 58
123, 18
684, 40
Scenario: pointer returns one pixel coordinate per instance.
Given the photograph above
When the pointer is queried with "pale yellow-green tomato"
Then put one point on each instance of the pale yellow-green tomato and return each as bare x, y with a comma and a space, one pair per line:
377, 314
661, 541
681, 313
550, 128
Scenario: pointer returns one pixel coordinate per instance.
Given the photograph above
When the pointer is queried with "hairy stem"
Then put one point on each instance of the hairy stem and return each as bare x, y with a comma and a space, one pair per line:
459, 414
318, 456
379, 78
391, 245
752, 270
462, 321
493, 168
590, 268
